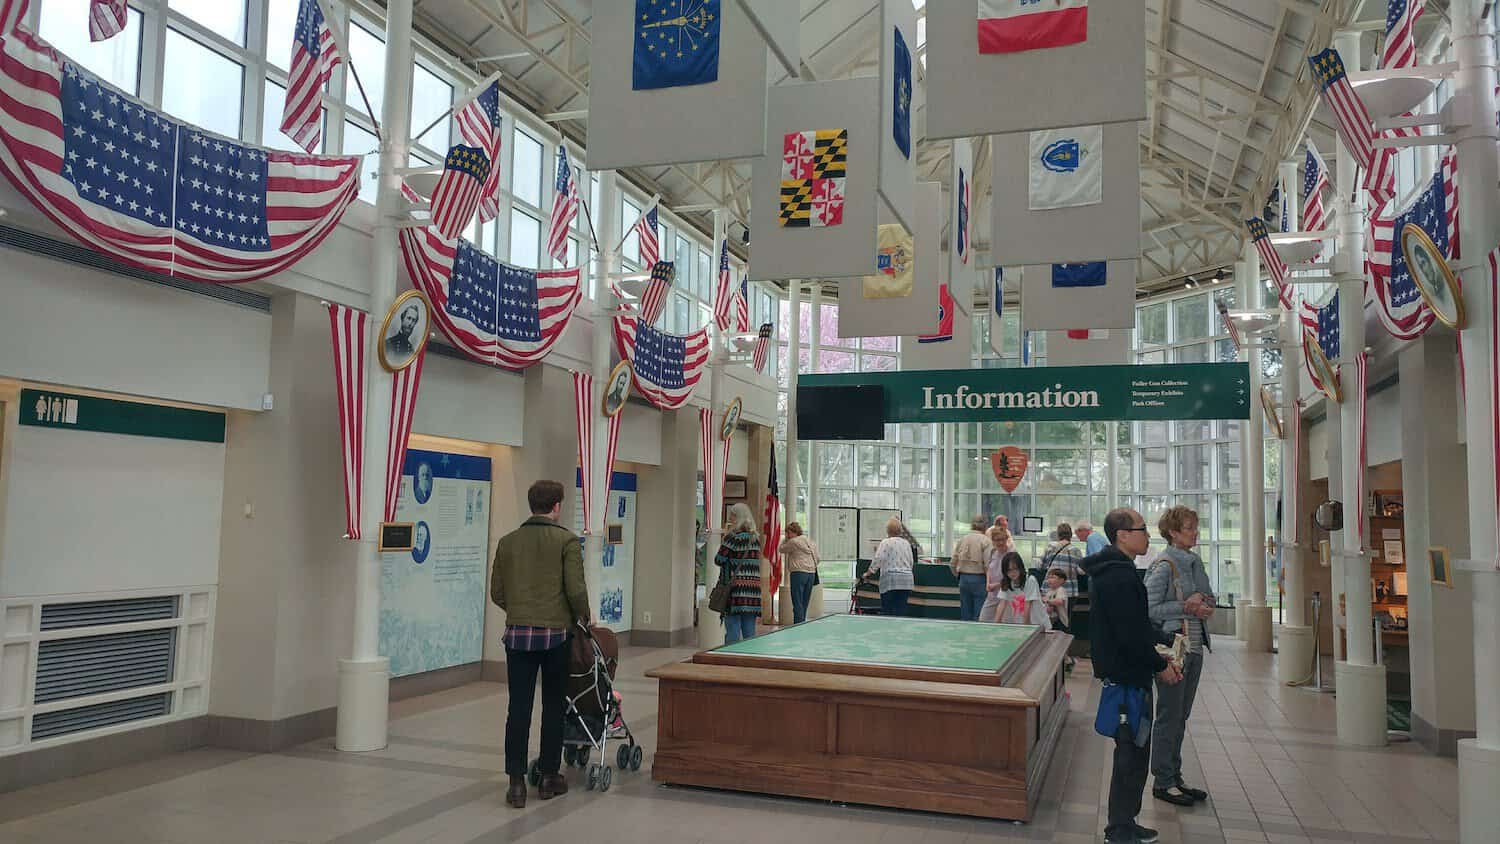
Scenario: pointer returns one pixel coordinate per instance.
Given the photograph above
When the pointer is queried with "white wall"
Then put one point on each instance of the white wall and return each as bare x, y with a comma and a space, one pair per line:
468, 401
93, 512
640, 436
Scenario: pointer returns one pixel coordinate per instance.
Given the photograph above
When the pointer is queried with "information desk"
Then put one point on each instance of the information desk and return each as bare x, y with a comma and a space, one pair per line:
940, 716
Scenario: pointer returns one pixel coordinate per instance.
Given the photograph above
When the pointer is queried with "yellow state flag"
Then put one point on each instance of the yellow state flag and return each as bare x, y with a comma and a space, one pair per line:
893, 265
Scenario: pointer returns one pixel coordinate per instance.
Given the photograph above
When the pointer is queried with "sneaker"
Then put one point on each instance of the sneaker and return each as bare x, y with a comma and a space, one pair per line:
1126, 837
1197, 794
1146, 835
1173, 794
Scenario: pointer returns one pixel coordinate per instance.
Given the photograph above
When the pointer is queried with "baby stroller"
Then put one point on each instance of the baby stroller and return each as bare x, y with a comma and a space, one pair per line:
591, 710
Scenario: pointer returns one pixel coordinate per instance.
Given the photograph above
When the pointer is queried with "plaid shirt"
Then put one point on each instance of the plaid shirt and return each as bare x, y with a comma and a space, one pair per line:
520, 637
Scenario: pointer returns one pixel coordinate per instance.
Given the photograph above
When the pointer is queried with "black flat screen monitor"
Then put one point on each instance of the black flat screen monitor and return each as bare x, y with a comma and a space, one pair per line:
854, 412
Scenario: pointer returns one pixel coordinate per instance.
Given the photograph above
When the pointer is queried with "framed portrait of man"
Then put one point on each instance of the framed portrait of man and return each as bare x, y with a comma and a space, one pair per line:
617, 388
1273, 413
731, 418
1433, 277
403, 335
1323, 367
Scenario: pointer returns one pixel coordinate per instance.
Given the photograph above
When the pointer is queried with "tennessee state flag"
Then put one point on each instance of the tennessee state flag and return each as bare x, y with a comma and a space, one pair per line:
945, 318
1010, 26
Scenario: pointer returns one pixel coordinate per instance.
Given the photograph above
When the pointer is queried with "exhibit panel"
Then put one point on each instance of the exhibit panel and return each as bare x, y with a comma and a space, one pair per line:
612, 584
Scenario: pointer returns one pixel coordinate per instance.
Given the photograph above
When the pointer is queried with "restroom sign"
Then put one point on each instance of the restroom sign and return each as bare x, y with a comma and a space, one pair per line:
70, 411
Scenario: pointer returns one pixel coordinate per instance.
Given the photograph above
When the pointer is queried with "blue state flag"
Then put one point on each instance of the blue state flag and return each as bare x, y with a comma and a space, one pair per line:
901, 122
676, 43
1079, 275
999, 300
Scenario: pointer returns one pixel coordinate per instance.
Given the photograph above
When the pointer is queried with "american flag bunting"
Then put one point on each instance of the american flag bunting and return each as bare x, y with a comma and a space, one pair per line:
654, 301
404, 386
1399, 306
762, 348
706, 451
667, 367
723, 305
351, 345
315, 52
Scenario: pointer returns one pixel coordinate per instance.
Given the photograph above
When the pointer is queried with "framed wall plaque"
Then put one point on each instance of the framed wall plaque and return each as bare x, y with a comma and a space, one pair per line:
1273, 416
1434, 278
1442, 567
397, 536
1321, 365
617, 388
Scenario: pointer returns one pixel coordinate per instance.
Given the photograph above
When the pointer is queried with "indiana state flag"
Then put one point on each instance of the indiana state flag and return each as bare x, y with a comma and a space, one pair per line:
901, 123
1079, 275
1066, 168
676, 43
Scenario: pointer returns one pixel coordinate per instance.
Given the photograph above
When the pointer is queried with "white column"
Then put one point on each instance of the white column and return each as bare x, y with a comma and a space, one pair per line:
364, 678
1253, 615
1479, 758
1361, 683
1295, 636
605, 302
793, 369
946, 432
1112, 472
815, 297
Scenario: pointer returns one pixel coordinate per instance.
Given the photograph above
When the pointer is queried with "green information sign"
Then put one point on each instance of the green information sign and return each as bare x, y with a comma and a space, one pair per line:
1049, 393
55, 409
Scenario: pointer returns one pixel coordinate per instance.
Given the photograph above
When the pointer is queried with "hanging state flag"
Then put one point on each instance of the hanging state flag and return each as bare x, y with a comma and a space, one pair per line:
1067, 168
1355, 127
649, 245
997, 312
106, 18
1270, 259
1011, 26
723, 290
901, 119
495, 313
663, 273
813, 170
944, 331
762, 347
1314, 180
1087, 333
314, 55
479, 126
667, 367
893, 277
771, 525
351, 344
564, 208
150, 191
456, 197
676, 43
1091, 274
961, 227
404, 384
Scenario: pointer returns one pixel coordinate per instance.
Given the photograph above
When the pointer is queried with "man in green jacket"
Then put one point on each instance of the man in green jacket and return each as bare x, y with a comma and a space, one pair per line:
538, 581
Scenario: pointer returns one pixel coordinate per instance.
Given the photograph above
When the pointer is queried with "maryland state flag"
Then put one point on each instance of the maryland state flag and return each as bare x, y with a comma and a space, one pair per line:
1009, 464
813, 169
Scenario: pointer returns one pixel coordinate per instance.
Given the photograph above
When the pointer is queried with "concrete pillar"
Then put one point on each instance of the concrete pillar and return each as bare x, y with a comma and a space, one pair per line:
815, 296
789, 458
1334, 603
1440, 619
664, 561
1361, 683
1253, 616
1295, 636
364, 678
1479, 758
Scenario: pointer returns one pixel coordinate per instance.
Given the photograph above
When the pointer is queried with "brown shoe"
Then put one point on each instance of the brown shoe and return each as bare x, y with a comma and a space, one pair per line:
515, 797
553, 785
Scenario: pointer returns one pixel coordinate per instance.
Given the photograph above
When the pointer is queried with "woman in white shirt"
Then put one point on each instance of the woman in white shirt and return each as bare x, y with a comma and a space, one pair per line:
1019, 596
893, 562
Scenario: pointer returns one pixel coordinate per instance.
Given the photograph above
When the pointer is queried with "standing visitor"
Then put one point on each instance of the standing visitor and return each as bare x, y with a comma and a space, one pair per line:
1093, 541
538, 581
893, 563
1124, 652
971, 554
1181, 600
1019, 596
738, 560
1000, 545
1055, 598
801, 558
1064, 554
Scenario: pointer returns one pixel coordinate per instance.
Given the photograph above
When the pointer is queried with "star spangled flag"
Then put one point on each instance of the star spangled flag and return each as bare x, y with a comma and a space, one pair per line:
1355, 126
742, 307
650, 243
771, 525
762, 347
564, 208
1399, 306
1383, 228
456, 197
1328, 328
901, 117
667, 366
12, 12
944, 331
106, 18
655, 299
153, 192
314, 54
351, 343
1400, 49
676, 43
1314, 180
961, 235
1010, 26
1091, 274
1270, 259
479, 125
1067, 168
723, 290
509, 317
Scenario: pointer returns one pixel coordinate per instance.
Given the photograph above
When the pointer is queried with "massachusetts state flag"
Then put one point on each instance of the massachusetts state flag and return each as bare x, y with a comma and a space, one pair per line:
1066, 168
676, 43
1079, 275
945, 318
456, 197
1010, 26
901, 119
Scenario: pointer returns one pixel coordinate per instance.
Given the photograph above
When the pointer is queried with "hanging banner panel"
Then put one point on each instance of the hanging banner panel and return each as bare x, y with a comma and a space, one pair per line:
432, 597
1047, 393
963, 263
950, 348
612, 582
898, 105
814, 208
1100, 230
1088, 347
1063, 297
866, 309
998, 340
1101, 80
654, 65
783, 32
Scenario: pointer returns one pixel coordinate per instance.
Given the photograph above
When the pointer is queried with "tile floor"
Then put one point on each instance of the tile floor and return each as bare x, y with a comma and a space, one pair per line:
1268, 754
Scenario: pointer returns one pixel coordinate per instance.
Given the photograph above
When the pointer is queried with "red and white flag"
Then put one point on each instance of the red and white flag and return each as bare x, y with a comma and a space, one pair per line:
456, 197
1270, 259
351, 346
1314, 180
106, 18
650, 243
12, 12
1088, 333
762, 348
1361, 404
723, 290
654, 300
315, 51
771, 526
1355, 126
564, 208
403, 405
584, 414
479, 125
1010, 26
706, 453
